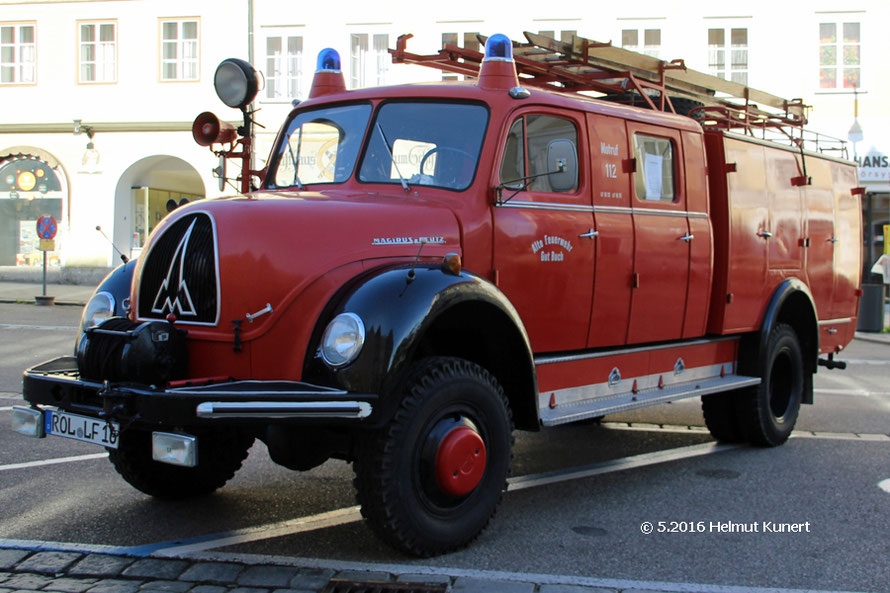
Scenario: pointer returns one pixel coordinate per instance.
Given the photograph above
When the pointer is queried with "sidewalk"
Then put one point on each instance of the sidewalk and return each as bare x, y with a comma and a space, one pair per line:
65, 294
66, 569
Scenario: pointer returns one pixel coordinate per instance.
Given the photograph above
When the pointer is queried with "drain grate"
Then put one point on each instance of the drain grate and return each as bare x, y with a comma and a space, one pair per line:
346, 586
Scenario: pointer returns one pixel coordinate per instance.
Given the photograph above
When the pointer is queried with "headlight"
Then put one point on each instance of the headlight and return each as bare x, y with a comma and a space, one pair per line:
343, 339
100, 308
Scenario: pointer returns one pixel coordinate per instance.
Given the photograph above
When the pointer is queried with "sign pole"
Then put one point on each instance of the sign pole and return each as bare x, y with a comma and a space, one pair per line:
46, 230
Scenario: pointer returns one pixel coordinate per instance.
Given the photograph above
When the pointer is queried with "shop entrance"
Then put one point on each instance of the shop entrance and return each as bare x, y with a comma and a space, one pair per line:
30, 187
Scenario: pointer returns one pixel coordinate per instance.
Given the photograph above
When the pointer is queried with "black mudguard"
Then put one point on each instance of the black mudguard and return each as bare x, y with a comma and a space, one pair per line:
412, 311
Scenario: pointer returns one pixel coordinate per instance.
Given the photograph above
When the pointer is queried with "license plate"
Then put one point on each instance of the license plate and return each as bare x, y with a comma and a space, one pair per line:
82, 428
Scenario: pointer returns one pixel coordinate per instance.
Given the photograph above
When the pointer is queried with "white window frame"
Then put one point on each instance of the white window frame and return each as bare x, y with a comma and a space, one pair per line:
839, 21
105, 53
649, 49
369, 60
464, 38
187, 51
284, 70
730, 52
23, 62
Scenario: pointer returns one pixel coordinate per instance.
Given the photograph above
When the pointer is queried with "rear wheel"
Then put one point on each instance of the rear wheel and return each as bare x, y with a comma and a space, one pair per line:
430, 481
220, 454
769, 411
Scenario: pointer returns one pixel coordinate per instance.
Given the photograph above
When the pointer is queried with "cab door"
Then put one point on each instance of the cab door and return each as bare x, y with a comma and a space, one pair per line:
662, 236
543, 227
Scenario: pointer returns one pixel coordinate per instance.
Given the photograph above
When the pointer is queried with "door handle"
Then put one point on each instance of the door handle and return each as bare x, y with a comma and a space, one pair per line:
765, 234
833, 240
589, 234
689, 237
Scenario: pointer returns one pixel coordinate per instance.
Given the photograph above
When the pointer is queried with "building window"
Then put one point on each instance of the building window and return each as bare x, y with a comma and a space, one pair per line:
728, 54
468, 40
564, 36
630, 39
98, 52
18, 54
839, 56
179, 49
369, 64
284, 67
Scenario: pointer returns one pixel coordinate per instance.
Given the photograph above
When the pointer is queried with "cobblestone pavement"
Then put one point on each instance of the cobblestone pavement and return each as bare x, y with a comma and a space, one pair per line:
37, 569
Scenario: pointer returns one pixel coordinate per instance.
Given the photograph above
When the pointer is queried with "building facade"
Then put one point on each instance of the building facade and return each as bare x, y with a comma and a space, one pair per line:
98, 96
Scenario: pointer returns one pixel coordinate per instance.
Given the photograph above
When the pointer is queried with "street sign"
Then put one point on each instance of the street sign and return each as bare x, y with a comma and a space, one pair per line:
47, 227
887, 239
47, 245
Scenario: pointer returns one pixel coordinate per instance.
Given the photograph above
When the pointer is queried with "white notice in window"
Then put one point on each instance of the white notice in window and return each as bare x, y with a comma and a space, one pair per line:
653, 170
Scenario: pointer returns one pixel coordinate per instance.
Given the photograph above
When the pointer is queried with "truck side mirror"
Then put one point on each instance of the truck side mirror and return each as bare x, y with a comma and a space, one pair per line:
562, 159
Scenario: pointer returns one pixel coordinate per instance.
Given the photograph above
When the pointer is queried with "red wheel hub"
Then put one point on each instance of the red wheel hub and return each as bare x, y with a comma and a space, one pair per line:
460, 461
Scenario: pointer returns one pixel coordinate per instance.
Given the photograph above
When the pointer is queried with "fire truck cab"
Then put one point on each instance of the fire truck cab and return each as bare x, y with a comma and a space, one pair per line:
426, 267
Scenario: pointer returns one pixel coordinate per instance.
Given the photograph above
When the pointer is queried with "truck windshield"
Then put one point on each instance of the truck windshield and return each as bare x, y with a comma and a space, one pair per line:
321, 146
425, 143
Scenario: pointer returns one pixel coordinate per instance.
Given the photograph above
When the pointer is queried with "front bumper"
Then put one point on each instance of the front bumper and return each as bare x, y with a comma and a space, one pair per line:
58, 383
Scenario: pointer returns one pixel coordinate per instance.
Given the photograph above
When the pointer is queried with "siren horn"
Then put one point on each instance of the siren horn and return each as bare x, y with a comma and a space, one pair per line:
208, 129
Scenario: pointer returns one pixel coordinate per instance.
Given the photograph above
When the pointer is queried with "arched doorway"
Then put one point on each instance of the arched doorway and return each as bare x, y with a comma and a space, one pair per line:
32, 184
142, 193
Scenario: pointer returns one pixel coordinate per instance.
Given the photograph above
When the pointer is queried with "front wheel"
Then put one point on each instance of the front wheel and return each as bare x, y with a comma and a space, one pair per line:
430, 481
220, 454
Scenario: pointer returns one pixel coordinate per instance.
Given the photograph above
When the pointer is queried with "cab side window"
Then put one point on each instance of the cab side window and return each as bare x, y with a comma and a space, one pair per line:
533, 147
654, 175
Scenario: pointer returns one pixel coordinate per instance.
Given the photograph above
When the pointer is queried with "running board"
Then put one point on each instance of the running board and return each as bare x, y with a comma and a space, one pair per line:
592, 401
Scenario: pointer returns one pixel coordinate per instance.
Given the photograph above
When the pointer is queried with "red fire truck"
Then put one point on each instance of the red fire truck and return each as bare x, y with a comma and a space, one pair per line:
424, 268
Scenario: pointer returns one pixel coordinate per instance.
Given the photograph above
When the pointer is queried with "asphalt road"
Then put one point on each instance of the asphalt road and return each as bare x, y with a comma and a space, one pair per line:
712, 510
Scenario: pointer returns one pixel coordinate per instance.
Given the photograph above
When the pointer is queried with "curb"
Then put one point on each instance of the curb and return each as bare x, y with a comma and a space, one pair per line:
52, 567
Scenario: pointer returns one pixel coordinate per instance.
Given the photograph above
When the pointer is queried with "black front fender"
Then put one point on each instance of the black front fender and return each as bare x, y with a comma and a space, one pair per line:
410, 312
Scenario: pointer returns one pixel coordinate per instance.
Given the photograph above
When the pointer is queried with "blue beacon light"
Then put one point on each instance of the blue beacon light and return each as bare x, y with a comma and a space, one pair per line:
498, 48
328, 61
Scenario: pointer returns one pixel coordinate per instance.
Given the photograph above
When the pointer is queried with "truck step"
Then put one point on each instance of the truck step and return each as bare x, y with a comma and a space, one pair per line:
591, 401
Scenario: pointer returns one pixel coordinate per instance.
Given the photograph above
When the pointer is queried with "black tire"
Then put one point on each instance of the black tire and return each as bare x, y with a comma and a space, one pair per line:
768, 412
721, 417
396, 482
220, 454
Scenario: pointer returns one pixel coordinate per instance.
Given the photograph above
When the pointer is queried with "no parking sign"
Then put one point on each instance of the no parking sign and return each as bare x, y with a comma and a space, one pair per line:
46, 230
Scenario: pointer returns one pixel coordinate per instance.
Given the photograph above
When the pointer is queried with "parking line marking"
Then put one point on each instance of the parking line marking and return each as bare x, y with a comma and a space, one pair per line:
353, 514
614, 465
249, 534
54, 461
26, 326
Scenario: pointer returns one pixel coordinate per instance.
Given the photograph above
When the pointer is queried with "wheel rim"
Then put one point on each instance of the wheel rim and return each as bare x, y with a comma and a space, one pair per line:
452, 463
460, 461
782, 385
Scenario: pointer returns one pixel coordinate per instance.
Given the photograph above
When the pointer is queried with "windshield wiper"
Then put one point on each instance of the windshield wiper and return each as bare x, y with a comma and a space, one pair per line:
392, 158
293, 160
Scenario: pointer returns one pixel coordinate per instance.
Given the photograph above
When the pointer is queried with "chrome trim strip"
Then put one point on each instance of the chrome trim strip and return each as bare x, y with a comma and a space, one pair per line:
604, 209
838, 321
554, 359
347, 410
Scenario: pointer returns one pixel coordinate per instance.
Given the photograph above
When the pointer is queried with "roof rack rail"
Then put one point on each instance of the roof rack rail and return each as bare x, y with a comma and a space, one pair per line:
584, 65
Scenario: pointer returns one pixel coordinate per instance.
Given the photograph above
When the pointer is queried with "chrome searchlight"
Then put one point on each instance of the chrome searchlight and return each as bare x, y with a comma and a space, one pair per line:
236, 83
